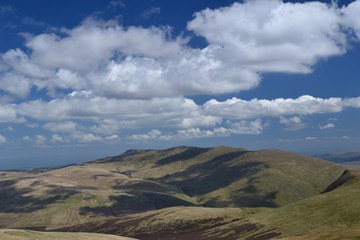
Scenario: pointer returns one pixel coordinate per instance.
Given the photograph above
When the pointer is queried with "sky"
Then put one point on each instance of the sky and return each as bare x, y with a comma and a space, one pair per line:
85, 79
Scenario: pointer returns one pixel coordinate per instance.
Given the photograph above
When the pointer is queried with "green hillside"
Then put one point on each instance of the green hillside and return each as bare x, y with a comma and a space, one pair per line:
231, 177
334, 214
182, 223
334, 211
252, 195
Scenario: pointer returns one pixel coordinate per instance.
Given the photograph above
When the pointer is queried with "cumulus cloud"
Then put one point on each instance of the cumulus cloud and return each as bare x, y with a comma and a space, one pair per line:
67, 126
2, 139
106, 117
56, 138
106, 75
292, 123
8, 113
273, 36
85, 137
327, 126
40, 140
114, 61
114, 137
151, 135
304, 105
352, 17
238, 128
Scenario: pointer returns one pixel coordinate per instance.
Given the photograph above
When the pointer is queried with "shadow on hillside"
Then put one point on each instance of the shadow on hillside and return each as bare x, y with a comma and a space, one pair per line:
137, 202
17, 201
220, 172
187, 154
145, 186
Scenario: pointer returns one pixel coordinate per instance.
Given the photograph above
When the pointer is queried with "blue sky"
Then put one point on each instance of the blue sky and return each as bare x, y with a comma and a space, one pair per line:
82, 79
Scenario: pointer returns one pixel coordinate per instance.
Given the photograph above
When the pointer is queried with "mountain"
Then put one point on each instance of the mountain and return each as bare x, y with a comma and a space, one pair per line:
211, 193
341, 157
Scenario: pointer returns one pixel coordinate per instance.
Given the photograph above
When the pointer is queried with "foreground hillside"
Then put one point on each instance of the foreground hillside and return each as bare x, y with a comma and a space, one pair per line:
334, 214
9, 234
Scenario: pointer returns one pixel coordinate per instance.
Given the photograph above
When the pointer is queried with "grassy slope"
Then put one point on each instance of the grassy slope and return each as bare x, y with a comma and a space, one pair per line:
232, 177
78, 194
180, 223
33, 235
146, 180
334, 213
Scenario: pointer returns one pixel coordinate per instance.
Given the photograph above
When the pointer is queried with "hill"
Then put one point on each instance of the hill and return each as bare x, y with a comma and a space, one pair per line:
333, 214
231, 177
182, 193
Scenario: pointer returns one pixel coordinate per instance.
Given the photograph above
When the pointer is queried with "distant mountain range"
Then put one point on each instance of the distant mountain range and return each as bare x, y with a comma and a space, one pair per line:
185, 193
340, 157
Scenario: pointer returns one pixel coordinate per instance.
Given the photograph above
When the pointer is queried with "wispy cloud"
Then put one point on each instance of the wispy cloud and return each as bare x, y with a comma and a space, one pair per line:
115, 4
148, 13
32, 22
327, 126
7, 9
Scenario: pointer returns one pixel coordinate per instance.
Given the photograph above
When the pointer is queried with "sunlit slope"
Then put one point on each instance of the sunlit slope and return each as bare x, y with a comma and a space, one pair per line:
182, 223
33, 235
78, 194
233, 177
326, 216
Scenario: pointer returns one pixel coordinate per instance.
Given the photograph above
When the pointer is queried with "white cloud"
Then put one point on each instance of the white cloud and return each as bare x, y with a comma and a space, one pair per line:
239, 128
135, 77
85, 137
8, 113
40, 139
67, 126
292, 123
327, 126
56, 138
26, 138
352, 17
273, 36
114, 137
311, 138
2, 139
198, 118
32, 125
304, 105
113, 61
107, 116
151, 135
